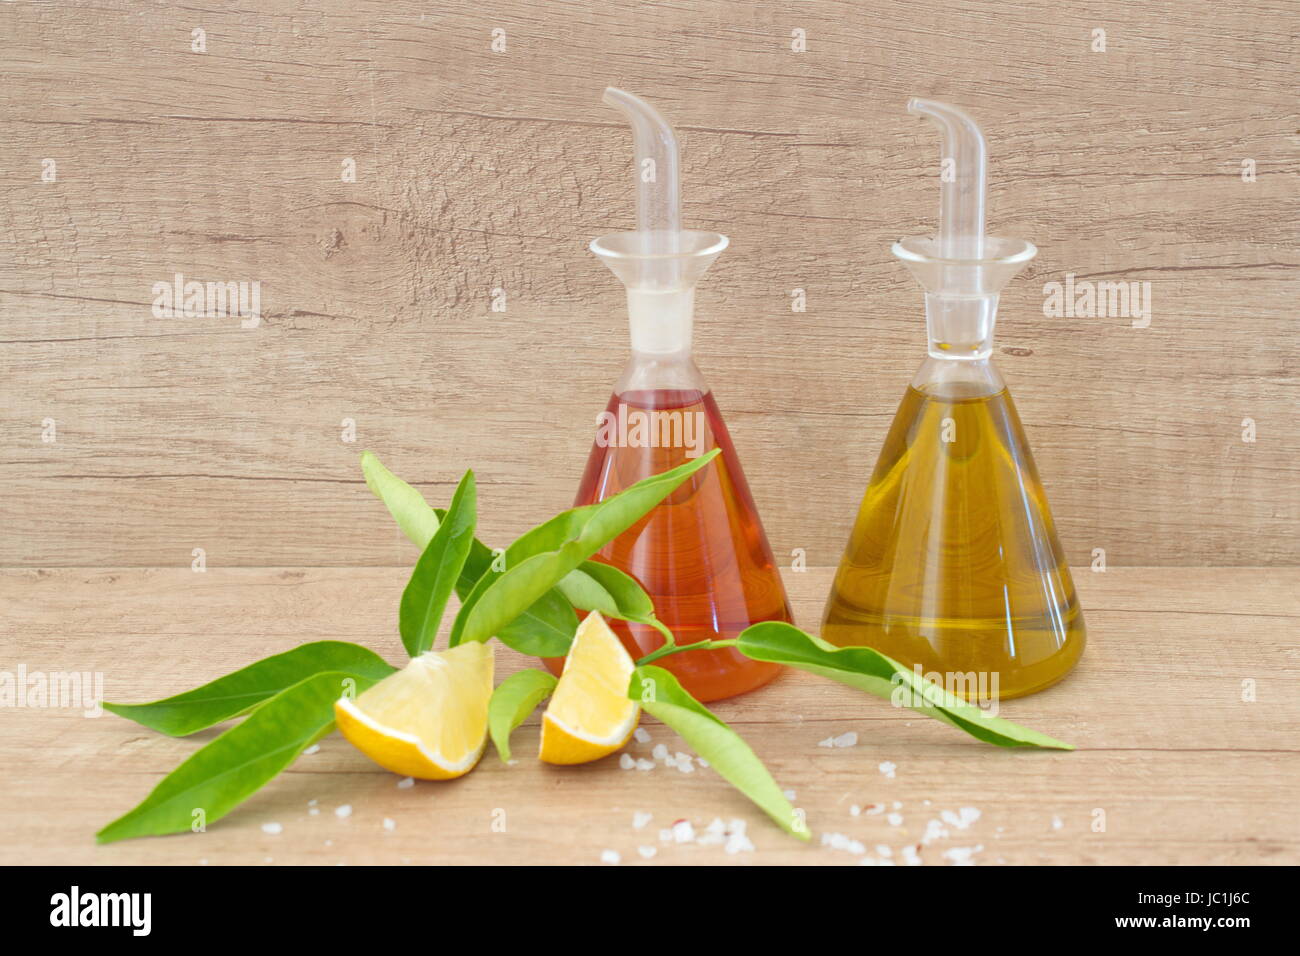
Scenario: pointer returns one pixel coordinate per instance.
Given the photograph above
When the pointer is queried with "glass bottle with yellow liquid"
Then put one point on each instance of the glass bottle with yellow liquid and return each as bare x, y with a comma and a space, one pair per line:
954, 566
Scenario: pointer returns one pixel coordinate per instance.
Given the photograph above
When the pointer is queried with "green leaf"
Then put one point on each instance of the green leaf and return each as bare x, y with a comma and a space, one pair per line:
551, 617
437, 571
223, 774
870, 670
572, 538
659, 693
407, 506
594, 586
241, 691
514, 699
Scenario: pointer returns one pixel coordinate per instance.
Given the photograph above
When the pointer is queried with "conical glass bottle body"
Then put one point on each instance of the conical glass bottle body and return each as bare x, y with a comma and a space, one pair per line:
954, 565
701, 554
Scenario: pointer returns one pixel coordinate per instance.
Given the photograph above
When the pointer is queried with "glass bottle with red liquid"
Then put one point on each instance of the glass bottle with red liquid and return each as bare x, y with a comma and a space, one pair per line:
701, 554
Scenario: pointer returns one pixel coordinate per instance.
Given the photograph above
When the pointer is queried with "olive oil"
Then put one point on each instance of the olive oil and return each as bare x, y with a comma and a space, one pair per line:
954, 563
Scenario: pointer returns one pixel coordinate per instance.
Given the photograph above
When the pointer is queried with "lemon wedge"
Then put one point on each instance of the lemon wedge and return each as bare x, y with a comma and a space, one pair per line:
589, 715
430, 719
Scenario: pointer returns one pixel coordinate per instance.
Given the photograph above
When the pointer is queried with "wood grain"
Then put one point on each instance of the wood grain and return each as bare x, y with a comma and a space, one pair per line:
1184, 770
479, 170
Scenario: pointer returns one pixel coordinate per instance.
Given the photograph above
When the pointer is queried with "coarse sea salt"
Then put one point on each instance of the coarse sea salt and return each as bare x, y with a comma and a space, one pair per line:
272, 828
737, 840
1057, 823
640, 819
610, 856
390, 825
627, 761
642, 735
344, 811
961, 855
406, 783
887, 767
934, 830
962, 819
644, 764
910, 856
842, 841
683, 832
314, 748
715, 834
895, 819
647, 852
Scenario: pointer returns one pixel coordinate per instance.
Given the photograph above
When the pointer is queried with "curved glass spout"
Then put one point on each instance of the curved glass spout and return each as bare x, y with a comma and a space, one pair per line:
658, 190
961, 189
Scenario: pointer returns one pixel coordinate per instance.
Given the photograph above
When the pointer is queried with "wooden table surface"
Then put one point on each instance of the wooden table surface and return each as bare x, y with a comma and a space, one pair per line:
1173, 765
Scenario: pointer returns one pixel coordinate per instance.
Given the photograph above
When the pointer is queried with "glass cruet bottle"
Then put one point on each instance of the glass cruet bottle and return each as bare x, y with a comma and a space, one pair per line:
954, 566
701, 554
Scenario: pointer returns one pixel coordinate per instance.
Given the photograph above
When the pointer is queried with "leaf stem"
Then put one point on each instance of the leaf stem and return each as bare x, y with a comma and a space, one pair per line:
674, 648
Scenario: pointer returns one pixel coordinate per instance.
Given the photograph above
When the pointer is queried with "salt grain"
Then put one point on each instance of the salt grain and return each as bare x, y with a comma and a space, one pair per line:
642, 735
854, 810
610, 856
961, 855
683, 832
639, 820
314, 748
895, 819
737, 841
660, 752
910, 856
1057, 823
272, 828
390, 824
962, 819
887, 767
934, 830
715, 834
627, 761
406, 783
647, 852
344, 811
644, 764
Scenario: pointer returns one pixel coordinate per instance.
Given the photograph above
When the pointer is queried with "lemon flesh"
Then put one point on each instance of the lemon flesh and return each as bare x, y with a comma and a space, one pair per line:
430, 719
589, 715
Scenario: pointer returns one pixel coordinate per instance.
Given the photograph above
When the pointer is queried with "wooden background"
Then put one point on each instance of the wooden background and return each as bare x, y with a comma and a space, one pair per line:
479, 170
